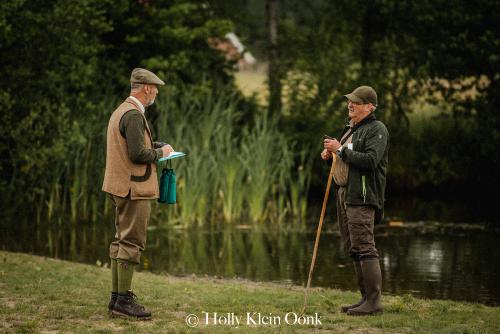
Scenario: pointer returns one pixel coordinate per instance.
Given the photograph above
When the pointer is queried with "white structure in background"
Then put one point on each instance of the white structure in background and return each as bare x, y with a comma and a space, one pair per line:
248, 59
234, 50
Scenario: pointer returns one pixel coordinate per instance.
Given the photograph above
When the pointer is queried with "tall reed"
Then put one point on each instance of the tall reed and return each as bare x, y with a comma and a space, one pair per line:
233, 171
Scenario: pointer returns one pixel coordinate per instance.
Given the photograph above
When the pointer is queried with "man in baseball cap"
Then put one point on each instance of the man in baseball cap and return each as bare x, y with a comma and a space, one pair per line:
363, 95
363, 148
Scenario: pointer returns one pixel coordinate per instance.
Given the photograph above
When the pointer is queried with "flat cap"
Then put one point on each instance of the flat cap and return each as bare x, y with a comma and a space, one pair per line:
363, 95
143, 76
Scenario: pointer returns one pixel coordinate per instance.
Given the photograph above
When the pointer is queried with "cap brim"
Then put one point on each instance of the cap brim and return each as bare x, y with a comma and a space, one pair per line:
154, 82
159, 82
354, 98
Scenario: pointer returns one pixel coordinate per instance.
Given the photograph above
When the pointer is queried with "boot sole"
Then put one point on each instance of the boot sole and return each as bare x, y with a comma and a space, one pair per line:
356, 314
346, 308
116, 314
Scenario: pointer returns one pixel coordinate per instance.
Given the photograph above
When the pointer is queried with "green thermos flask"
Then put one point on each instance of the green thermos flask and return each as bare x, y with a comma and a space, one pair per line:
172, 188
168, 192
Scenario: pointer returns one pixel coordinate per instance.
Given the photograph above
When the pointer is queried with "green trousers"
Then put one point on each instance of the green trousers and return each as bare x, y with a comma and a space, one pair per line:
131, 222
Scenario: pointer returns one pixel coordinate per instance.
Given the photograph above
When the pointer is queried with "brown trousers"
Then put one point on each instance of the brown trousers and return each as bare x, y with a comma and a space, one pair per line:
356, 227
131, 222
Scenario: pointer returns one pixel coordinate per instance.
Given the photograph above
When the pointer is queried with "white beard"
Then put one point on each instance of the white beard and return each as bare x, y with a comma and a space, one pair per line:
151, 103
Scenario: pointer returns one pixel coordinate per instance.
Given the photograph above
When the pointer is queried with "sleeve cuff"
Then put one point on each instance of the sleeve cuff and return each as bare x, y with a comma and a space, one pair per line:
158, 144
159, 153
341, 152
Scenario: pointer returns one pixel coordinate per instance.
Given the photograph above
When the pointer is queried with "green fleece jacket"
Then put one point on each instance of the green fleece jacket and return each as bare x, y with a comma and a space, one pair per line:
367, 162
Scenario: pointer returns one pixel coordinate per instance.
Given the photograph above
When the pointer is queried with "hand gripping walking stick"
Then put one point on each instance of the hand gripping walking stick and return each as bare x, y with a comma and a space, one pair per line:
318, 233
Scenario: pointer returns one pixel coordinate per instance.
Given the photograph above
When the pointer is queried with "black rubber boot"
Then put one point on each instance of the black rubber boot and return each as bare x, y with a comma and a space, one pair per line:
361, 285
112, 301
372, 278
126, 305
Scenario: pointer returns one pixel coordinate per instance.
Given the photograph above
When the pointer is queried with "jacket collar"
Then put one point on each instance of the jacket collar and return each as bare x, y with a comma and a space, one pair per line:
137, 103
367, 119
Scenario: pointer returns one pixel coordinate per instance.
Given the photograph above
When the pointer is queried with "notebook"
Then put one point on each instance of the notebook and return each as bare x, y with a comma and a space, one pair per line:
172, 155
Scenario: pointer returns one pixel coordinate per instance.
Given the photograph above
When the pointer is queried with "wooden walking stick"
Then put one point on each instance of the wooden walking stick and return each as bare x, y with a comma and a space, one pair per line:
318, 233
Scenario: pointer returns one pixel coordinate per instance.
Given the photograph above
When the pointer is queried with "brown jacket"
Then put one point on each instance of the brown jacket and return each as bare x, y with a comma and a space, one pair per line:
122, 175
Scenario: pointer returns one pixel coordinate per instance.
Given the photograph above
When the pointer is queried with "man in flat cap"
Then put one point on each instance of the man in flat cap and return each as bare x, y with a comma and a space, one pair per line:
360, 163
131, 181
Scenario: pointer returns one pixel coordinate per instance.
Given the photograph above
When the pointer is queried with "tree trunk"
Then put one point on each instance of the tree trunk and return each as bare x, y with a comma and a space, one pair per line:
273, 70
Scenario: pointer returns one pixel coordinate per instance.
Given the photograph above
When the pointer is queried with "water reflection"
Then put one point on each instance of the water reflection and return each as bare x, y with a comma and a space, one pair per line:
451, 266
461, 266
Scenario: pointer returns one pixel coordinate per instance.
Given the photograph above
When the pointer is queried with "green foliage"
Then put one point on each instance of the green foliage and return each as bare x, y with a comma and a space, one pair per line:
432, 51
49, 59
62, 64
168, 37
232, 171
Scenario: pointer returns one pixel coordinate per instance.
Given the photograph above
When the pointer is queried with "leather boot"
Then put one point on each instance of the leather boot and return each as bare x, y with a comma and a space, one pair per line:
359, 275
112, 301
372, 278
126, 305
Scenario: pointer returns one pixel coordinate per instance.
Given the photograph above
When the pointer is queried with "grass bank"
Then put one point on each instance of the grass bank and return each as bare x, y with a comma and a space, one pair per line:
46, 295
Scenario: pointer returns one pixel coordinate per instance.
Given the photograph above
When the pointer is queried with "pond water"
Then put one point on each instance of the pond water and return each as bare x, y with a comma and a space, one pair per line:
426, 259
